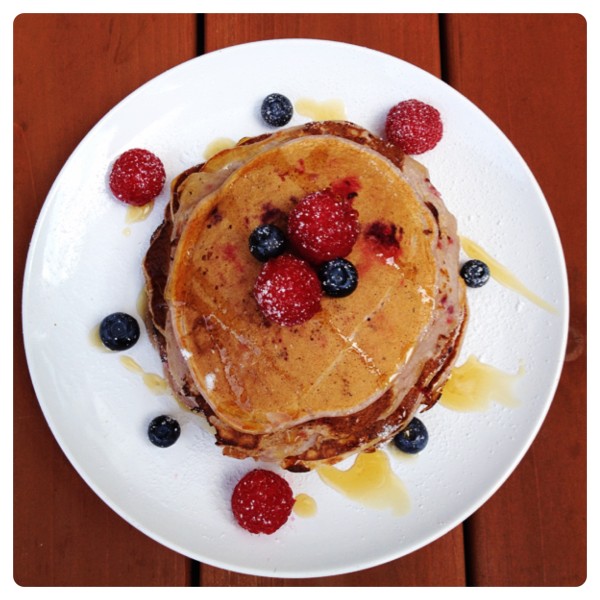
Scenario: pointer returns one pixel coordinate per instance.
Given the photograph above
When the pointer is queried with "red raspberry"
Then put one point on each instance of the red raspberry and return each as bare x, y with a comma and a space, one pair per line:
414, 126
287, 290
262, 501
137, 177
323, 226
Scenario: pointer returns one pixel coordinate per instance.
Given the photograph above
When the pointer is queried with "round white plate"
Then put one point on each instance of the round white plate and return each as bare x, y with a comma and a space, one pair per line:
84, 263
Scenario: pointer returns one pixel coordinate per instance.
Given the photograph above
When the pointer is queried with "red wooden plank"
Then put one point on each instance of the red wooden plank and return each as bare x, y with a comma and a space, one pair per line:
440, 564
414, 38
69, 70
528, 73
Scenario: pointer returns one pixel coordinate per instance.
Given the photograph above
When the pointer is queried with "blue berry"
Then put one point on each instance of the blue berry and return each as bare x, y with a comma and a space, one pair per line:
267, 241
163, 431
413, 438
338, 277
119, 331
276, 110
475, 273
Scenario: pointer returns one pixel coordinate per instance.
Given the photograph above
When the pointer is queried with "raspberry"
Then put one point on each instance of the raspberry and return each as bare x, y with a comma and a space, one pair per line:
323, 226
262, 501
287, 290
137, 177
414, 126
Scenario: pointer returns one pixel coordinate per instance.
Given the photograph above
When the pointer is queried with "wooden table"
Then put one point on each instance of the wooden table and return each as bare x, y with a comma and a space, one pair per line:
527, 72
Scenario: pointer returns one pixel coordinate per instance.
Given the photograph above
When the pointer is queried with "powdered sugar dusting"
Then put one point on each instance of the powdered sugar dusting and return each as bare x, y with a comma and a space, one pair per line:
209, 380
288, 291
414, 126
137, 177
323, 226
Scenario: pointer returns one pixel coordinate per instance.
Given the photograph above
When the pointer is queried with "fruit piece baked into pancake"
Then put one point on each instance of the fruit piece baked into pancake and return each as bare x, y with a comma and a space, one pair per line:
349, 377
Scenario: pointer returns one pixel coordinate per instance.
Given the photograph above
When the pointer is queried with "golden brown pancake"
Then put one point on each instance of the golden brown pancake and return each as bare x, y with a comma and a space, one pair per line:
351, 376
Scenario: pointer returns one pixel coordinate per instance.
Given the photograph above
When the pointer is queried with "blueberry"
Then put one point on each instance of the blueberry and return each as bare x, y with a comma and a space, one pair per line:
338, 277
163, 431
475, 273
276, 110
413, 438
119, 331
267, 241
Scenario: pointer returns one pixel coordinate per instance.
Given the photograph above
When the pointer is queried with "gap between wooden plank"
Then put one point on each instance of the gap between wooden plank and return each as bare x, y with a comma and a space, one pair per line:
445, 77
195, 566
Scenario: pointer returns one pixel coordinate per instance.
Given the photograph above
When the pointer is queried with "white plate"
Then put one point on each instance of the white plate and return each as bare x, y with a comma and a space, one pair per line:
82, 266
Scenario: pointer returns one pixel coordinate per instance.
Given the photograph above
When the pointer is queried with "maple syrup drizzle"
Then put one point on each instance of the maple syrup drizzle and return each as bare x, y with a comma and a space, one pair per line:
327, 110
142, 303
305, 506
369, 481
474, 386
95, 340
154, 382
218, 144
502, 275
135, 214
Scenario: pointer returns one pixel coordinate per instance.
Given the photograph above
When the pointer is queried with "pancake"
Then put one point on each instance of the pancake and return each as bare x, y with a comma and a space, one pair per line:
354, 374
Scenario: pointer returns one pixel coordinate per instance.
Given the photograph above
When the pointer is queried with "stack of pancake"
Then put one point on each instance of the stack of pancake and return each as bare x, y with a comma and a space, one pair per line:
353, 375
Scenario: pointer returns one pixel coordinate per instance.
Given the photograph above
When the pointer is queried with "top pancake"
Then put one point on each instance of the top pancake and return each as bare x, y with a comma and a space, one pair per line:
260, 377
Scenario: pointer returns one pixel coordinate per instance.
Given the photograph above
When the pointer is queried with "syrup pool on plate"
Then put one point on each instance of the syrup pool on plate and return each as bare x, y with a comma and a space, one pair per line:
142, 303
217, 145
502, 275
326, 110
305, 506
154, 382
95, 340
135, 214
474, 386
369, 481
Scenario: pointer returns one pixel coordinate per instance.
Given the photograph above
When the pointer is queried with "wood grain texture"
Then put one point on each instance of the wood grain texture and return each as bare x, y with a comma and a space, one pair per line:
69, 70
440, 564
414, 38
528, 73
